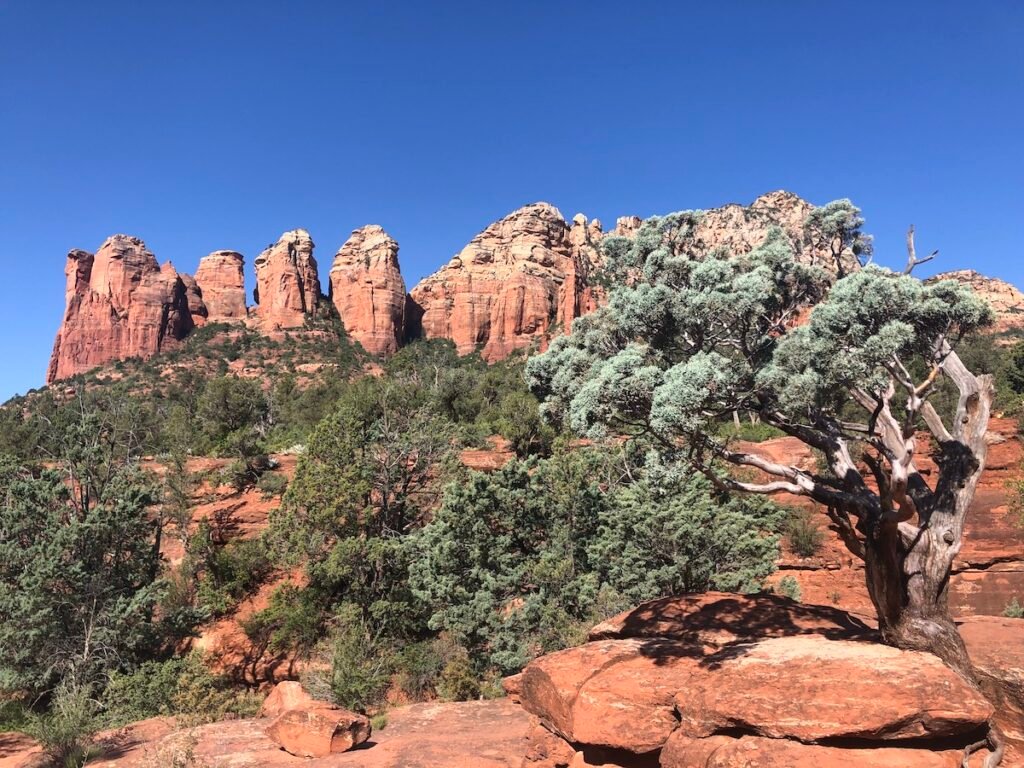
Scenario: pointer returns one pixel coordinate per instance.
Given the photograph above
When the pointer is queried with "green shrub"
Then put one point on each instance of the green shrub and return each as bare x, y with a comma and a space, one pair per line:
14, 715
756, 432
184, 687
417, 669
272, 484
803, 534
458, 681
229, 573
789, 587
65, 730
361, 666
1014, 610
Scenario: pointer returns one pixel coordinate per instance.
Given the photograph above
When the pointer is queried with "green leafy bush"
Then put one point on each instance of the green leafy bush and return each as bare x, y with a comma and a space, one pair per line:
184, 687
789, 587
804, 536
520, 561
226, 574
272, 484
65, 730
1014, 610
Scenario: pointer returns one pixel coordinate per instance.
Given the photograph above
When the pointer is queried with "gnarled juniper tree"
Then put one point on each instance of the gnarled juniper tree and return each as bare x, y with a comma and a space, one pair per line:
687, 339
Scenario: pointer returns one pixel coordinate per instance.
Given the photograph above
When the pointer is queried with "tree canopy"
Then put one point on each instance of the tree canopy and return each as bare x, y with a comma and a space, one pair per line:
688, 338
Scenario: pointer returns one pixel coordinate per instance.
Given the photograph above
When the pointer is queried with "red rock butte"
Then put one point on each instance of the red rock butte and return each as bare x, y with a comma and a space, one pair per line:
519, 282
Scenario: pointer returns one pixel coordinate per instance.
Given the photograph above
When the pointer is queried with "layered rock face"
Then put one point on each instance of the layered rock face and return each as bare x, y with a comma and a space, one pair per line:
221, 281
731, 680
1006, 301
287, 283
740, 229
516, 280
518, 283
119, 303
531, 273
368, 291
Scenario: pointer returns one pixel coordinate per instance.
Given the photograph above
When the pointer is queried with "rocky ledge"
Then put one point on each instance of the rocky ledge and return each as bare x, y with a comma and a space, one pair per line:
723, 681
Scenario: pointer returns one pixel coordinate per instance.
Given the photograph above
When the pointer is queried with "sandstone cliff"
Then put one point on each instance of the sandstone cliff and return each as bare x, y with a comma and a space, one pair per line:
221, 281
531, 273
287, 283
368, 291
518, 283
511, 284
1006, 301
119, 303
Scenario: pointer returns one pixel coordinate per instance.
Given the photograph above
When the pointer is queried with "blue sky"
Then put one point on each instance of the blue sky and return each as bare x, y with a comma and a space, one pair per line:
207, 125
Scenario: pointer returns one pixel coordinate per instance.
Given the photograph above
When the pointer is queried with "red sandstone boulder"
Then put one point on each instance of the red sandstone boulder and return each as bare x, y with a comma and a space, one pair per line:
546, 750
757, 752
221, 281
800, 688
318, 731
287, 283
996, 646
472, 734
368, 291
119, 303
632, 694
286, 696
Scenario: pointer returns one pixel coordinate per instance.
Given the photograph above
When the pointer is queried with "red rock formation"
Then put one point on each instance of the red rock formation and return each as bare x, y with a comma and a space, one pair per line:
515, 281
530, 274
119, 303
221, 281
1006, 301
194, 299
466, 734
287, 283
368, 291
769, 671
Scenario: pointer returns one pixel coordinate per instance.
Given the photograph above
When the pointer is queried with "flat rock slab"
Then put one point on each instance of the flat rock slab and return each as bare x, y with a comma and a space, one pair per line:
475, 734
632, 694
757, 752
810, 688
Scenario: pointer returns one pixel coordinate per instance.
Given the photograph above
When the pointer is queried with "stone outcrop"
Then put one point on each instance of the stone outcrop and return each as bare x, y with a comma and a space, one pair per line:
513, 283
527, 276
757, 752
368, 291
469, 734
287, 283
1006, 301
221, 281
514, 286
996, 646
119, 303
658, 689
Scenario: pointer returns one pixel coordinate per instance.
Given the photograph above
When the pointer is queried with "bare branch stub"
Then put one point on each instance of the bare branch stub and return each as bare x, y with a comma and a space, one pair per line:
912, 260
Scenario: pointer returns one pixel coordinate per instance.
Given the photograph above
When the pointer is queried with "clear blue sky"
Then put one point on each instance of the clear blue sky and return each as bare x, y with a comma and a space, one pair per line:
207, 125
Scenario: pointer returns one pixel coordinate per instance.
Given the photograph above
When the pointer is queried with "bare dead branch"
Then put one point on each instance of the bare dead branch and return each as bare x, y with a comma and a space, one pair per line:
912, 260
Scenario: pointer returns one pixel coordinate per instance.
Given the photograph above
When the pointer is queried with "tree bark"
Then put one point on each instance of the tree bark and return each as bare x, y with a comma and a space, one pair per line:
908, 566
909, 586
